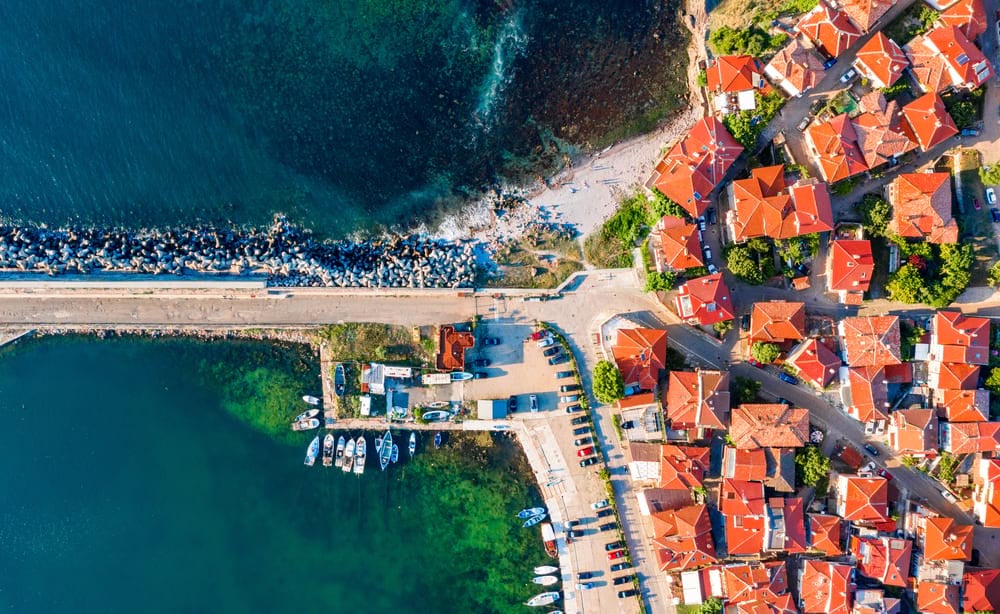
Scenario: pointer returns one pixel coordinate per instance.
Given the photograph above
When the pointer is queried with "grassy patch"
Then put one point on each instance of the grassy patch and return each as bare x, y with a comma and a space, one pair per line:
976, 227
611, 246
367, 341
913, 21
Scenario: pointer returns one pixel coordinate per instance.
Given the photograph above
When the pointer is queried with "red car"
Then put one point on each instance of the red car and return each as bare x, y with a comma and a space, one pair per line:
617, 554
585, 451
756, 363
885, 474
539, 334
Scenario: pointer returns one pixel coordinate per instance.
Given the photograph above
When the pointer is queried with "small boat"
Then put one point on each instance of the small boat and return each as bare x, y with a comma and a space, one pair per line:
395, 454
439, 405
437, 440
305, 425
533, 520
348, 456
436, 415
312, 451
543, 599
340, 452
311, 399
328, 450
339, 380
412, 447
309, 413
545, 570
549, 539
385, 450
461, 376
529, 512
545, 580
360, 455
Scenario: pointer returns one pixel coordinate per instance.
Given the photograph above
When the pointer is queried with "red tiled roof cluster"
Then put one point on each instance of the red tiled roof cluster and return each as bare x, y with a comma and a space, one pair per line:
640, 353
927, 121
679, 245
777, 321
881, 60
981, 590
757, 588
886, 559
914, 431
861, 499
765, 206
762, 425
944, 539
824, 534
829, 29
956, 337
815, 362
869, 393
962, 405
786, 529
970, 437
706, 300
698, 399
796, 67
938, 598
871, 340
944, 58
851, 266
969, 16
880, 131
744, 465
921, 207
695, 165
835, 146
866, 13
683, 538
682, 467
986, 497
742, 504
825, 587
451, 348
734, 73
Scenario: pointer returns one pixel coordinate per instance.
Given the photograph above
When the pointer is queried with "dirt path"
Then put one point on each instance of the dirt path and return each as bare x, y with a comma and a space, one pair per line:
696, 20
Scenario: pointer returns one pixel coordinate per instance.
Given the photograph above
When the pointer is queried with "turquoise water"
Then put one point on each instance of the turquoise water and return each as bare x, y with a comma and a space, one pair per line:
128, 487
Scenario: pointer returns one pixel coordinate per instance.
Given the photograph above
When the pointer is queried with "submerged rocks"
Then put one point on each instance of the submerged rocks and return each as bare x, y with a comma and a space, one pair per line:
287, 254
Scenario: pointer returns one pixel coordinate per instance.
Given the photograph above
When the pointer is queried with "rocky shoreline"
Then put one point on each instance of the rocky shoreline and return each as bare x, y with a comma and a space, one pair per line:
288, 255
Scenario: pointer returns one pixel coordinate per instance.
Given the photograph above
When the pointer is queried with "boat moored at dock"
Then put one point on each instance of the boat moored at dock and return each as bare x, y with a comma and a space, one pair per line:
534, 520
339, 380
309, 413
385, 450
328, 450
543, 599
349, 456
461, 376
312, 451
545, 580
437, 415
412, 446
305, 425
529, 512
395, 454
340, 451
544, 570
549, 539
360, 455
437, 439
308, 398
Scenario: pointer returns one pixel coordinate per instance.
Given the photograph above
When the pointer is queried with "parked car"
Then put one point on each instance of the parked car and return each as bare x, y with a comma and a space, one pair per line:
533, 402
588, 461
827, 65
708, 253
512, 404
995, 214
623, 580
564, 374
583, 430
571, 409
975, 203
546, 342
712, 269
572, 523
603, 503
947, 495
605, 512
608, 526
885, 474
970, 132
627, 593
745, 322
538, 335
847, 76
991, 196
802, 124
617, 554
613, 546
868, 468
580, 420
756, 363
575, 533
628, 424
552, 351
710, 212
481, 362
790, 379
585, 451
569, 398
583, 441
569, 388
491, 340
702, 224
620, 566
585, 575
871, 449
558, 359
480, 375
583, 586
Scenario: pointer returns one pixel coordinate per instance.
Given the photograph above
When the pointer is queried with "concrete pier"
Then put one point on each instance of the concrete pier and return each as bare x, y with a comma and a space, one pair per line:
330, 399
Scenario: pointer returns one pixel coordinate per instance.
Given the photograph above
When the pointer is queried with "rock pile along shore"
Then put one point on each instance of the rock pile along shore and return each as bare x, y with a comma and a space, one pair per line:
289, 256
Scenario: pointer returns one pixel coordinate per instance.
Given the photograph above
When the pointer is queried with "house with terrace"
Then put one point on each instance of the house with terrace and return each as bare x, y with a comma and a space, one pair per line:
945, 59
764, 205
778, 322
834, 148
757, 588
742, 505
641, 355
705, 301
870, 340
825, 534
866, 14
732, 81
862, 500
881, 61
884, 559
829, 29
981, 590
969, 16
796, 68
697, 402
676, 245
926, 121
768, 425
914, 432
683, 538
814, 363
825, 587
986, 494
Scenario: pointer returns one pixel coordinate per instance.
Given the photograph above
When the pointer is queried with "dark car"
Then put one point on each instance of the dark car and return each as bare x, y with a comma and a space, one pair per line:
588, 461
827, 65
585, 575
871, 449
783, 401
481, 362
575, 533
620, 566
623, 580
995, 214
583, 430
711, 215
605, 513
790, 379
745, 322
480, 375
572, 408
612, 546
583, 441
569, 388
512, 404
628, 424
627, 593
564, 374
558, 359
552, 351
491, 341
580, 420
610, 526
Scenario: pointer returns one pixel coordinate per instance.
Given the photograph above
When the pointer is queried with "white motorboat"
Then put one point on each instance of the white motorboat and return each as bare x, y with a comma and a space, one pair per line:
544, 570
348, 456
340, 452
309, 413
543, 599
312, 451
412, 447
305, 425
310, 399
531, 511
328, 450
385, 450
360, 455
437, 415
533, 520
439, 405
545, 580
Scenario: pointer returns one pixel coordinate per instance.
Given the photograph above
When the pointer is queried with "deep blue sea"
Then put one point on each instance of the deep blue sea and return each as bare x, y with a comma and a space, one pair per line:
343, 114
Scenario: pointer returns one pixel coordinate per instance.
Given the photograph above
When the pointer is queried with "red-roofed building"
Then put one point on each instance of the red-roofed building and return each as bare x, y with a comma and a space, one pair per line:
870, 340
695, 165
962, 405
881, 60
825, 587
705, 300
796, 68
732, 80
865, 14
944, 539
829, 30
969, 16
956, 337
765, 206
697, 400
944, 58
679, 247
777, 321
970, 437
683, 538
682, 467
921, 207
952, 375
880, 131
938, 598
744, 465
815, 363
834, 147
451, 348
927, 121
862, 499
981, 590
869, 394
763, 425
914, 432
849, 269
742, 504
886, 559
757, 588
824, 534
785, 530
640, 353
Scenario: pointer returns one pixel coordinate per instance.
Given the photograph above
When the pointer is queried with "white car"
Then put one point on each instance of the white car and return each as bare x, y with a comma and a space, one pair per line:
546, 342
708, 253
600, 505
712, 269
947, 495
991, 196
847, 76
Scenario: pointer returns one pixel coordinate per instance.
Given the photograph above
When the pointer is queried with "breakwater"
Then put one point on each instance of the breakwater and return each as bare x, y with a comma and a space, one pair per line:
288, 255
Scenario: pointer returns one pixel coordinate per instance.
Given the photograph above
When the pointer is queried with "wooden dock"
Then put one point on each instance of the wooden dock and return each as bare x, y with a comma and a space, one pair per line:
330, 399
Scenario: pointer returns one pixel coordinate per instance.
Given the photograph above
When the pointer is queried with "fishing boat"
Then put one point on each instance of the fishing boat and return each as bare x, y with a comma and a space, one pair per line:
311, 399
439, 405
549, 539
529, 512
545, 580
328, 450
412, 447
309, 413
533, 521
339, 380
461, 376
348, 456
436, 415
543, 599
340, 452
544, 570
437, 439
385, 450
360, 455
305, 425
312, 451
395, 454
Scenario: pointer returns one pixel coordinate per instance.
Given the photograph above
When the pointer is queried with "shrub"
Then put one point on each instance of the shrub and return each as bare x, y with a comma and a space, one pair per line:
993, 278
743, 265
991, 175
662, 205
744, 390
907, 285
752, 40
813, 465
608, 385
765, 352
659, 282
875, 214
992, 382
723, 327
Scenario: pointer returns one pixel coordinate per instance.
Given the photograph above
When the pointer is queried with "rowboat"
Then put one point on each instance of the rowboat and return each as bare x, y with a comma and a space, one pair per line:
439, 405
309, 413
340, 452
533, 520
310, 399
385, 450
543, 599
312, 451
545, 580
305, 425
549, 539
348, 456
395, 454
436, 416
360, 455
412, 447
437, 440
529, 512
545, 570
339, 380
328, 450
461, 376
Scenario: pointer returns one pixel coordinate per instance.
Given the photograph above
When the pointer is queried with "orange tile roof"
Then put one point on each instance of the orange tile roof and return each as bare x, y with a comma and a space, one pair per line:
952, 375
986, 496
969, 16
824, 534
971, 437
744, 465
866, 13
679, 245
762, 425
698, 399
640, 353
981, 590
956, 337
734, 73
871, 340
797, 65
944, 58
742, 504
869, 393
825, 587
921, 207
451, 348
764, 206
834, 144
683, 538
879, 130
944, 539
815, 362
695, 165
705, 299
882, 60
914, 431
938, 598
762, 587
927, 121
682, 467
777, 321
851, 265
886, 559
862, 499
962, 405
786, 530
829, 29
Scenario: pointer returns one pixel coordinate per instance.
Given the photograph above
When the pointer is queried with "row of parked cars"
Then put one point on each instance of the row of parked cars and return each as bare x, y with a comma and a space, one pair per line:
616, 552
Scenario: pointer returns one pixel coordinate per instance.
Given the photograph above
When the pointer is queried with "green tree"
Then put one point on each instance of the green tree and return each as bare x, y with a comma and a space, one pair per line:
744, 390
947, 466
712, 605
908, 461
993, 278
702, 79
956, 266
723, 327
875, 214
760, 245
963, 112
813, 465
765, 352
743, 265
992, 382
990, 175
608, 385
907, 285
664, 206
660, 282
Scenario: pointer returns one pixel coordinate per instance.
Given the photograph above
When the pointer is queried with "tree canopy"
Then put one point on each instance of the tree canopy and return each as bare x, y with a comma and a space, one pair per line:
744, 390
751, 40
743, 265
990, 176
875, 214
608, 384
765, 352
813, 465
992, 382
